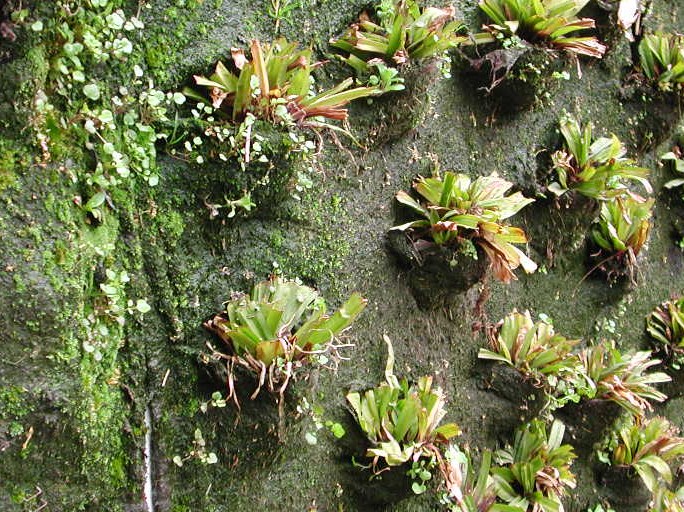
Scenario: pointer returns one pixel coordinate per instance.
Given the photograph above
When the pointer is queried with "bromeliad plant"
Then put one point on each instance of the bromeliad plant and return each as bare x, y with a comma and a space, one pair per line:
276, 331
550, 22
275, 85
623, 378
593, 167
647, 447
457, 212
405, 33
263, 110
666, 327
620, 233
662, 60
468, 490
666, 500
534, 473
535, 350
401, 421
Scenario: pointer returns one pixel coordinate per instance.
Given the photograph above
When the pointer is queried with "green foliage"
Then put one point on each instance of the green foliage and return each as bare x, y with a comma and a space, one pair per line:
534, 349
199, 452
599, 508
404, 32
401, 421
278, 329
675, 159
276, 86
282, 10
593, 167
468, 490
662, 60
665, 500
119, 126
647, 447
535, 471
666, 327
622, 378
546, 21
457, 211
262, 111
622, 229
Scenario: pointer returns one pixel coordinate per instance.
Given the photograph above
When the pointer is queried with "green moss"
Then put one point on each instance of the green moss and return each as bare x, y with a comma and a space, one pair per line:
8, 161
171, 225
13, 403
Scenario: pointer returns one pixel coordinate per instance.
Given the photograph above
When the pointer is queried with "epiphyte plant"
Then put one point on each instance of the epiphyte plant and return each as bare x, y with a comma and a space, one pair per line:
276, 331
534, 473
534, 349
547, 22
401, 420
469, 490
456, 211
661, 57
593, 167
647, 447
623, 377
275, 85
665, 325
620, 233
404, 33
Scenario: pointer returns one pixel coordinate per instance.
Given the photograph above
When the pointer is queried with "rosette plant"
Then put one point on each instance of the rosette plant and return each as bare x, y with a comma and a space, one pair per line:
276, 331
275, 85
469, 490
593, 167
534, 473
400, 420
534, 349
550, 22
623, 378
662, 60
404, 32
620, 232
665, 325
457, 211
647, 447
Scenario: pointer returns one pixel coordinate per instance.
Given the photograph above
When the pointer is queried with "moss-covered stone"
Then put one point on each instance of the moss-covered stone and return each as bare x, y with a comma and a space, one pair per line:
73, 424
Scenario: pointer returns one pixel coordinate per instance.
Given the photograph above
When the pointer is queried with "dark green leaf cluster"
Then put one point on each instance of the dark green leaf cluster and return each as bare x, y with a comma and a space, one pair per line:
598, 169
592, 167
623, 226
401, 420
540, 354
275, 85
623, 378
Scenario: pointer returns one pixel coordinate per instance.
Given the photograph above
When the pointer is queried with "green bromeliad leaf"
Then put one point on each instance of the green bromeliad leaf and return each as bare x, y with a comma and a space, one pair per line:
624, 224
282, 318
406, 32
551, 21
666, 326
595, 168
401, 421
453, 208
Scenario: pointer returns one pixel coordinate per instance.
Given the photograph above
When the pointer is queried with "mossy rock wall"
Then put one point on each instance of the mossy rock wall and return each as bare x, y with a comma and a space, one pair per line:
72, 429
